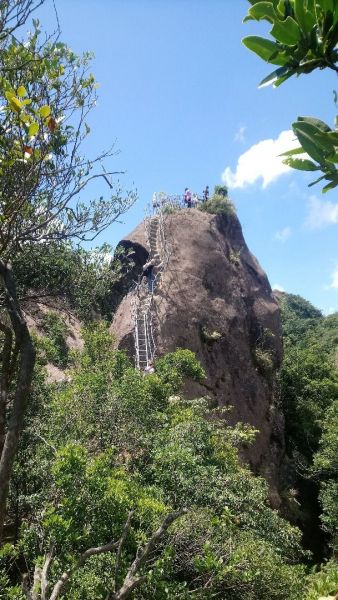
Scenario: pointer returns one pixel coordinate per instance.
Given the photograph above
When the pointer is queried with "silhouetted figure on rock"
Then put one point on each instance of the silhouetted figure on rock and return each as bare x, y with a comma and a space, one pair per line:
206, 194
148, 272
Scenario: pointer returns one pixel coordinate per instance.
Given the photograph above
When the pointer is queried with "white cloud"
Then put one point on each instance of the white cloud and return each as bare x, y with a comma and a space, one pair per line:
278, 287
239, 135
321, 213
283, 234
334, 279
261, 161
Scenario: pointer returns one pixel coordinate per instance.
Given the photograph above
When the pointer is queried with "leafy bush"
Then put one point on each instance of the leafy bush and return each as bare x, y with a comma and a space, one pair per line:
116, 440
323, 583
84, 278
53, 343
264, 361
219, 203
207, 335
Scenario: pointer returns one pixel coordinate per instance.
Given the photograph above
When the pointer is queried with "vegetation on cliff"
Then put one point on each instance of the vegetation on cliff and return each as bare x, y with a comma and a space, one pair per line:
112, 484
118, 443
309, 386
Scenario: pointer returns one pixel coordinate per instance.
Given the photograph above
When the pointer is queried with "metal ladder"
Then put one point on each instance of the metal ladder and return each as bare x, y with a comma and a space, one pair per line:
143, 300
143, 319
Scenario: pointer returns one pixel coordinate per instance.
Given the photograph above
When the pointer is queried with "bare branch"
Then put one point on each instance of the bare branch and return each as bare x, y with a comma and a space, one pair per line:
45, 572
66, 576
120, 547
131, 581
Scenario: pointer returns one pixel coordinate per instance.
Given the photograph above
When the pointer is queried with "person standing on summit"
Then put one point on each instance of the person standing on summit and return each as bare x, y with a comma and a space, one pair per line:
187, 197
206, 194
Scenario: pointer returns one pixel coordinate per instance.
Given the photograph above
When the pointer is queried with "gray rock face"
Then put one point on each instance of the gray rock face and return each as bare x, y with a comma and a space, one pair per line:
214, 298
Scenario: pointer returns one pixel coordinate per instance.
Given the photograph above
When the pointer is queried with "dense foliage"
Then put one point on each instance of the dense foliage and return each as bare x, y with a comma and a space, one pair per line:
309, 382
305, 37
116, 441
46, 94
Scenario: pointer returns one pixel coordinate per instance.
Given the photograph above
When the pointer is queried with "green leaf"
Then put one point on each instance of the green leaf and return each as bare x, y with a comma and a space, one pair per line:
328, 5
335, 14
287, 32
21, 91
330, 186
292, 152
15, 104
265, 49
273, 77
281, 80
317, 180
44, 111
9, 95
305, 18
333, 158
333, 136
301, 164
316, 122
306, 136
263, 10
33, 129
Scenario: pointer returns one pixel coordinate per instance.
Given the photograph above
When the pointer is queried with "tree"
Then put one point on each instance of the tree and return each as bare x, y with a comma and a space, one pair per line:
47, 93
305, 36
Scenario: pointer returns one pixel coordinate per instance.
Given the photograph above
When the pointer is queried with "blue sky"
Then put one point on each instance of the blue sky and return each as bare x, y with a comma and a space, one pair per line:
178, 92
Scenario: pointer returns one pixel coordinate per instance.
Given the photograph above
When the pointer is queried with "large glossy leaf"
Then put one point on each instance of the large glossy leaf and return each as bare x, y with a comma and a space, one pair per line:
281, 80
333, 136
335, 13
320, 139
287, 32
265, 49
278, 75
330, 186
328, 5
263, 10
305, 18
301, 164
332, 37
316, 122
292, 152
333, 158
306, 136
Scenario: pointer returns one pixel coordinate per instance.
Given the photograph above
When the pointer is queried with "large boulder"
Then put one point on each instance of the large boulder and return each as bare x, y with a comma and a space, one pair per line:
214, 298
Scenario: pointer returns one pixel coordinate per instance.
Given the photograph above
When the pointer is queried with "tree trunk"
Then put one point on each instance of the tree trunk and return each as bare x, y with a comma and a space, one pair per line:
25, 351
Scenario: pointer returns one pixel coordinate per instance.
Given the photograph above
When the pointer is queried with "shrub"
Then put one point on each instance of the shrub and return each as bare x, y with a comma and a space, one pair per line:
219, 203
53, 345
263, 361
210, 336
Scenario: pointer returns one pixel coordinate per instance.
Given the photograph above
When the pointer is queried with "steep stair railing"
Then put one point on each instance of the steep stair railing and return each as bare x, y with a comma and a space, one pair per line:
143, 313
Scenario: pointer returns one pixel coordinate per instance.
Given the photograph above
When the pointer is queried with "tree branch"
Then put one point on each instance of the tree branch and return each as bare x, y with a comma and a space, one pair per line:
66, 576
120, 547
131, 581
26, 362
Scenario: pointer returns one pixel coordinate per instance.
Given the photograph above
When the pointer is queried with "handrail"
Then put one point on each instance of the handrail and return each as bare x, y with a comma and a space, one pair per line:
159, 246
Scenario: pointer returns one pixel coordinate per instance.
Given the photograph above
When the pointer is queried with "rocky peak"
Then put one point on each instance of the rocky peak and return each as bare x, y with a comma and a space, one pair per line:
211, 296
